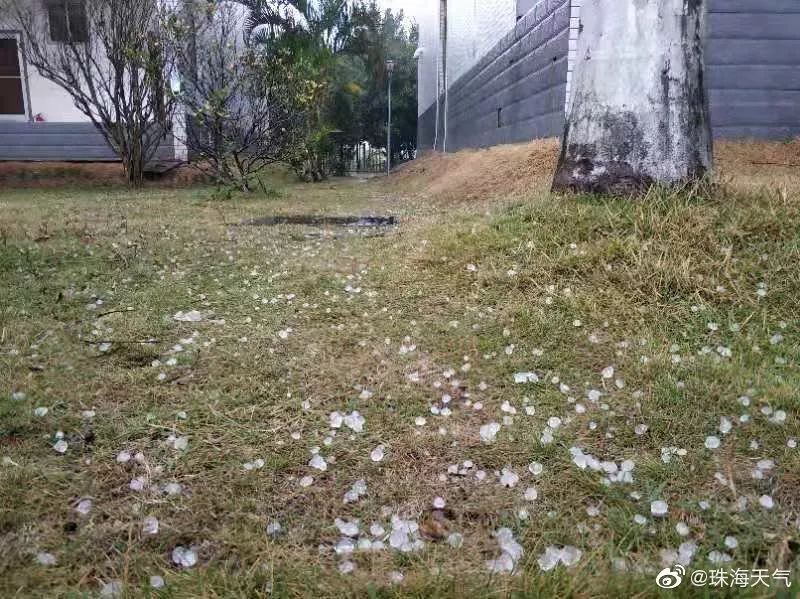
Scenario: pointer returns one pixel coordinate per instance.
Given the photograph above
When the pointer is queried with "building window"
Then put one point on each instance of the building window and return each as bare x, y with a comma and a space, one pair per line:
68, 22
12, 100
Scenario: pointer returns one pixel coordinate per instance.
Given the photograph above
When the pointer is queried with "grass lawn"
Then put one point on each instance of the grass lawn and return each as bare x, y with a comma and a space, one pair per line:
554, 366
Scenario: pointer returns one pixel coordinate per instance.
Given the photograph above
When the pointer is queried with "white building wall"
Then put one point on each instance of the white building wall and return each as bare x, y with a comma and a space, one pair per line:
51, 101
428, 60
47, 99
473, 29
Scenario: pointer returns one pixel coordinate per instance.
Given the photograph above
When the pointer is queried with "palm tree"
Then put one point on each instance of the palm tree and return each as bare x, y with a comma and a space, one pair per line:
331, 22
268, 19
328, 23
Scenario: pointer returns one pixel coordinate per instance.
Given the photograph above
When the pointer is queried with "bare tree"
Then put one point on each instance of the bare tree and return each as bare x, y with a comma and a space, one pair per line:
111, 56
244, 102
639, 109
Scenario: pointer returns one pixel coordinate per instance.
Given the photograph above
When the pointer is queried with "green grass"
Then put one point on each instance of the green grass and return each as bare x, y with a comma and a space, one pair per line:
644, 279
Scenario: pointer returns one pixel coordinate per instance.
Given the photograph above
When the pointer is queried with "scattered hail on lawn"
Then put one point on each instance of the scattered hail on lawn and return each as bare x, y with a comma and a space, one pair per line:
508, 420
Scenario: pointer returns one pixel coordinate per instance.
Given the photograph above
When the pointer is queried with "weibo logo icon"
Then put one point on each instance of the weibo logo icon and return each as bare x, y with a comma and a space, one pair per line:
670, 578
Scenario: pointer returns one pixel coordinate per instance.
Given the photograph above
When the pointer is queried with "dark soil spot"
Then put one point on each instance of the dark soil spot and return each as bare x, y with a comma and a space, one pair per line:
322, 221
10, 440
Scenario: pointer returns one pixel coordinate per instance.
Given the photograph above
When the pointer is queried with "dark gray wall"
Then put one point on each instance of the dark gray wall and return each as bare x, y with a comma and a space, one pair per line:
523, 6
426, 130
754, 68
74, 142
516, 92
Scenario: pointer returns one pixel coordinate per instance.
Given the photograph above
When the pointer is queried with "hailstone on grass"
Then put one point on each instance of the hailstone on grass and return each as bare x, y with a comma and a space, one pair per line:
535, 468
568, 556
520, 378
718, 557
84, 507
511, 552
46, 559
508, 478
318, 462
335, 420
150, 525
358, 490
354, 421
183, 557
190, 316
112, 588
156, 582
455, 540
377, 454
659, 508
489, 432
348, 529
345, 546
173, 489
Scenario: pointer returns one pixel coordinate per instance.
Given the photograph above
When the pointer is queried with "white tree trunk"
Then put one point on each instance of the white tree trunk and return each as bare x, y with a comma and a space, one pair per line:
638, 113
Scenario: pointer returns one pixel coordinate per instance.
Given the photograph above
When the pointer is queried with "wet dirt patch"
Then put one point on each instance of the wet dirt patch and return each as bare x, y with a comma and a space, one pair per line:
325, 221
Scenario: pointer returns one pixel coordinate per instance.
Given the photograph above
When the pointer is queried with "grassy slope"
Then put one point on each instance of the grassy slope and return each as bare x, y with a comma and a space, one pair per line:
644, 279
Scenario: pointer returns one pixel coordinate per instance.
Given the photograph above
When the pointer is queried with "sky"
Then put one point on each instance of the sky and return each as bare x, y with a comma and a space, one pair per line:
409, 6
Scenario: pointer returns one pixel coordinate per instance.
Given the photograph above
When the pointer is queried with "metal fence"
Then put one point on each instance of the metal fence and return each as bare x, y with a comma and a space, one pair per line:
363, 158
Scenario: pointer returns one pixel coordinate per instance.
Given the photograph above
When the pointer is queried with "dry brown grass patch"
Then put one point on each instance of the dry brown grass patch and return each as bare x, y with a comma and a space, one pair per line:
481, 174
49, 175
511, 170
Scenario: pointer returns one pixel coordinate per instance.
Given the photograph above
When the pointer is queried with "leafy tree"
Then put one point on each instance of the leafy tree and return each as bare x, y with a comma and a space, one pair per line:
378, 36
294, 29
385, 36
331, 23
344, 45
245, 102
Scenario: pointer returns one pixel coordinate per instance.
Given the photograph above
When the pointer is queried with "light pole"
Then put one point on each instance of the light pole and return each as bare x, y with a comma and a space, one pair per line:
390, 71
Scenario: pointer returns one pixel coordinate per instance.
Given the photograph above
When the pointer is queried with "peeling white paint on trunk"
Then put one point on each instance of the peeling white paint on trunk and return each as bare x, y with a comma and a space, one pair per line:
638, 110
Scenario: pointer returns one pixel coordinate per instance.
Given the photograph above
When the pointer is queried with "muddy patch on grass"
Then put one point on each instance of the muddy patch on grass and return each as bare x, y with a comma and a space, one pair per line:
325, 221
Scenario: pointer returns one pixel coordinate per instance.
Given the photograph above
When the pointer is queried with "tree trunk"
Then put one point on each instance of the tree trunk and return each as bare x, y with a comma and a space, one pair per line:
134, 161
638, 113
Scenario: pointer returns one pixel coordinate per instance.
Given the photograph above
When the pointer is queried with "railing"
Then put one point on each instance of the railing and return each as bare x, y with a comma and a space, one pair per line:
347, 159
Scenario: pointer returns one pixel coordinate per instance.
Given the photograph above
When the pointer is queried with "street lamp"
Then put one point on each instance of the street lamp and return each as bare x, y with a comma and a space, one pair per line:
390, 71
